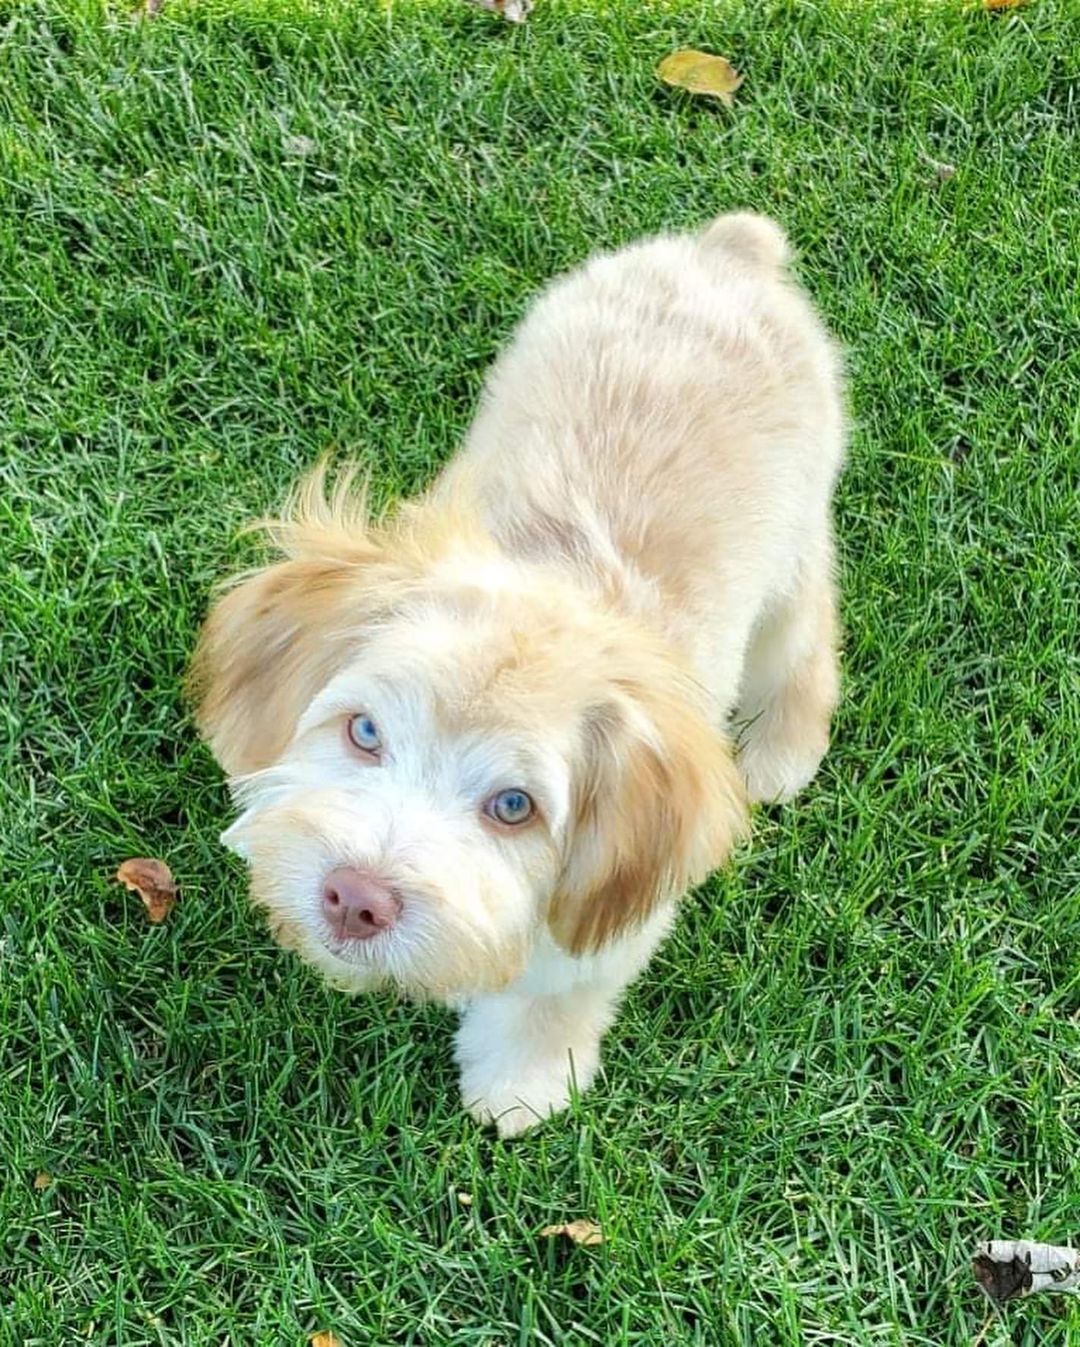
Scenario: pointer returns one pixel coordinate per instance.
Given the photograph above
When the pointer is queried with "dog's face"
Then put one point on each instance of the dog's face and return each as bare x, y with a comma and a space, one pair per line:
435, 760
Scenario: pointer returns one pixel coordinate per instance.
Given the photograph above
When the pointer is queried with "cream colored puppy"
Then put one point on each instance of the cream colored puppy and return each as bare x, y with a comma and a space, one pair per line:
481, 748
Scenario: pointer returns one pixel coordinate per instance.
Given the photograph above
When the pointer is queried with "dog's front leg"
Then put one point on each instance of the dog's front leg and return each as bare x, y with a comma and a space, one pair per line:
524, 1051
521, 1055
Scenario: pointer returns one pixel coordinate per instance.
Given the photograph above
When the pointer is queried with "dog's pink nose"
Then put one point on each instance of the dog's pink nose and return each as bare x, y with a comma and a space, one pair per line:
356, 905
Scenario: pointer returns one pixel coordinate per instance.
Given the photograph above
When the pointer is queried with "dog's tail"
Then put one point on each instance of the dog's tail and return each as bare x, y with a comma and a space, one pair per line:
753, 239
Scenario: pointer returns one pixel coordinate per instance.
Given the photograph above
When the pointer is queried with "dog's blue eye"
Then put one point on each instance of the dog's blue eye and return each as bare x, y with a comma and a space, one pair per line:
364, 734
511, 807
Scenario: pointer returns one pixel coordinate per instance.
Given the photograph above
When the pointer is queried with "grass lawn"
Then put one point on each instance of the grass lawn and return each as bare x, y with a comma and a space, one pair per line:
239, 235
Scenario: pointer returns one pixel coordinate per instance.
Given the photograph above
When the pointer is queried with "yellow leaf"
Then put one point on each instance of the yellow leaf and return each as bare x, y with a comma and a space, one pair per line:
42, 1181
325, 1339
1003, 4
581, 1232
701, 73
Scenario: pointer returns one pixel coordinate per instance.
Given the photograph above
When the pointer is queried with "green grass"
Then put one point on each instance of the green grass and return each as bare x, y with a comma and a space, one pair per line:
861, 1052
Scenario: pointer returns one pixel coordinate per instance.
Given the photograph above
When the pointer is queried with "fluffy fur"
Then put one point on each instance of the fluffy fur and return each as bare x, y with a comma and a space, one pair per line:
617, 597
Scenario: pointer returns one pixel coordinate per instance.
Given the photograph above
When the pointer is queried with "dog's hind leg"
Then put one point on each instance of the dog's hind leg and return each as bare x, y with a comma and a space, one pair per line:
790, 686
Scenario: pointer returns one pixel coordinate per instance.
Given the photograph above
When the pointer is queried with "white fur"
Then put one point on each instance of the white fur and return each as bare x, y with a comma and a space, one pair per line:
647, 482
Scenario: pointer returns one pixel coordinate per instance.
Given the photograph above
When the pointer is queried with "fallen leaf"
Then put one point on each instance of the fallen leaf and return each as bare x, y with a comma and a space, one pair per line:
1003, 4
701, 73
152, 880
942, 171
1007, 1268
513, 11
325, 1339
42, 1181
581, 1232
1001, 1281
466, 1199
299, 147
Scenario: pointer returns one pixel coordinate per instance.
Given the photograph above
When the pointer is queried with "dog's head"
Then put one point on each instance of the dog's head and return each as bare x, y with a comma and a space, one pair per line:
438, 752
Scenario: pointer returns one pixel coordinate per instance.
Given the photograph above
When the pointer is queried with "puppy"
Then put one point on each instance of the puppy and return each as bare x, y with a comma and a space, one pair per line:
482, 746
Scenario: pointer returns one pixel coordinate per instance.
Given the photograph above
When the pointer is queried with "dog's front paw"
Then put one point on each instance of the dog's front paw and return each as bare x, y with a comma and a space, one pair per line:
518, 1063
514, 1106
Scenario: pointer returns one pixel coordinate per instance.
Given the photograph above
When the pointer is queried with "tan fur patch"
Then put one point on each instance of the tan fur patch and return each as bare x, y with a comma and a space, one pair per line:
658, 808
273, 640
266, 649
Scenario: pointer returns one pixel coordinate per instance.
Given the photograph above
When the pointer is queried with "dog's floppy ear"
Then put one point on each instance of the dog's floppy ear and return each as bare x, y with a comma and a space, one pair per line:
278, 636
266, 649
659, 806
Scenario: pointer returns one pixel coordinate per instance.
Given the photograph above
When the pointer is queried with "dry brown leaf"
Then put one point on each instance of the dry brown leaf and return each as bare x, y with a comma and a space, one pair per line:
1006, 1268
513, 11
701, 73
581, 1232
152, 880
325, 1339
42, 1181
1003, 4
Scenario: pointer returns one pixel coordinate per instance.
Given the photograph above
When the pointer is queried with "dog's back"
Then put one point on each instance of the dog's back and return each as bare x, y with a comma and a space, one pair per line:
668, 416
